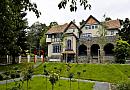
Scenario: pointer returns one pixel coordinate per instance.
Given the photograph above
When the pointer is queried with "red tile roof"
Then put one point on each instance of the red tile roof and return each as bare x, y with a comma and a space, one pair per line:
57, 29
113, 24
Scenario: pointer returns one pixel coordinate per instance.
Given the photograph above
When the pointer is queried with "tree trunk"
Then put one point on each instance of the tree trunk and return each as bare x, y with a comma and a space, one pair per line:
46, 82
70, 83
52, 86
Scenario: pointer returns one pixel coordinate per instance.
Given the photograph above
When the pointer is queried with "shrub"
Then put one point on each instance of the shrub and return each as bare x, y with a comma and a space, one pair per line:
1, 77
123, 86
121, 51
12, 75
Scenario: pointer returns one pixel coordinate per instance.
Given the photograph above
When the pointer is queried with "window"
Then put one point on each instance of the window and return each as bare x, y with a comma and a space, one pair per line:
86, 35
87, 27
93, 27
69, 45
49, 36
56, 48
112, 32
96, 26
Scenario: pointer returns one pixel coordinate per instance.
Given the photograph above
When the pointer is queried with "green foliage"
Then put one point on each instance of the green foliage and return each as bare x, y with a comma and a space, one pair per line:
121, 51
1, 77
123, 86
125, 31
53, 78
12, 22
73, 4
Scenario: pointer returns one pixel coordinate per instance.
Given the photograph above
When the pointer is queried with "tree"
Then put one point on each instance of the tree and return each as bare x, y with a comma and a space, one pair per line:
125, 31
53, 78
36, 35
102, 37
46, 73
121, 51
78, 73
107, 18
12, 20
73, 4
70, 76
53, 24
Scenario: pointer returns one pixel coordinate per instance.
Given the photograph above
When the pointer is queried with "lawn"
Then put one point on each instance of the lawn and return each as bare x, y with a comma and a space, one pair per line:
39, 83
125, 68
11, 66
100, 72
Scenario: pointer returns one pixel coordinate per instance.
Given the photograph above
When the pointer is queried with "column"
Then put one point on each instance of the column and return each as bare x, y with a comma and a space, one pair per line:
28, 57
20, 59
89, 54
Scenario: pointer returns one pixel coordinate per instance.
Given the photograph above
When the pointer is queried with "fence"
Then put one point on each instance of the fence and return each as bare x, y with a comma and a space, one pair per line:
6, 59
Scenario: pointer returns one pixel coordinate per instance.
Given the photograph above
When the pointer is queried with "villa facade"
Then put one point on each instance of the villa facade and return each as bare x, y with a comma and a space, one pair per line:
70, 43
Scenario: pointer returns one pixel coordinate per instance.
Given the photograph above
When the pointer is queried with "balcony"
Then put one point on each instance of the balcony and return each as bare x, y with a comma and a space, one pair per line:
48, 40
93, 39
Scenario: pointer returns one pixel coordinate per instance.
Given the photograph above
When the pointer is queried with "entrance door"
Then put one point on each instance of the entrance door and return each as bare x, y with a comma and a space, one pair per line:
70, 58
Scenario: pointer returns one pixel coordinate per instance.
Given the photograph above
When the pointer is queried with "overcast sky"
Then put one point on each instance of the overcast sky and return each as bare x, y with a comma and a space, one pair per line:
50, 11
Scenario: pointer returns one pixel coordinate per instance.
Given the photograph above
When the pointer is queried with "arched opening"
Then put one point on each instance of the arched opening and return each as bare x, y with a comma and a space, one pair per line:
94, 49
82, 50
69, 44
108, 49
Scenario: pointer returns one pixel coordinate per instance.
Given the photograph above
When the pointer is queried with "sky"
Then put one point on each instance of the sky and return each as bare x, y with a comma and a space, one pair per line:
50, 12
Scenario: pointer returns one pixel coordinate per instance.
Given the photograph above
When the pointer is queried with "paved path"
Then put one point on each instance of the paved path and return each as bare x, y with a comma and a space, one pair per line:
37, 64
98, 85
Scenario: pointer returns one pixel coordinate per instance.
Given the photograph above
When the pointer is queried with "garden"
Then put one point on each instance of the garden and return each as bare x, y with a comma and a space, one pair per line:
48, 76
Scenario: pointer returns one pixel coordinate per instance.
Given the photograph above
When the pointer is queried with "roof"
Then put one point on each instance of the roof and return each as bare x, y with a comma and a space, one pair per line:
113, 24
57, 29
62, 28
91, 20
71, 25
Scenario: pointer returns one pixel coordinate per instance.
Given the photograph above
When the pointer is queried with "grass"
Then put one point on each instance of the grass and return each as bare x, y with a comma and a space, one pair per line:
39, 83
99, 72
124, 68
11, 67
112, 73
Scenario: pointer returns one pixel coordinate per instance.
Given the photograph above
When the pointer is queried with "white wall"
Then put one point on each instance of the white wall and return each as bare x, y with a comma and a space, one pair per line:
114, 32
74, 31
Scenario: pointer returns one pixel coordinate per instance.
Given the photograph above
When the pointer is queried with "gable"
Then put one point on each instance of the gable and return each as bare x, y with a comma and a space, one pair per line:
71, 27
91, 20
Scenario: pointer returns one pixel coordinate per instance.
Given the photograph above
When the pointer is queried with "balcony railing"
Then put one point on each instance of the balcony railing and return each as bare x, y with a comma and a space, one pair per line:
109, 38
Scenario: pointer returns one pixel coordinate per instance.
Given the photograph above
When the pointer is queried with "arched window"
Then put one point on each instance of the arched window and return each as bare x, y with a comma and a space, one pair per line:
69, 44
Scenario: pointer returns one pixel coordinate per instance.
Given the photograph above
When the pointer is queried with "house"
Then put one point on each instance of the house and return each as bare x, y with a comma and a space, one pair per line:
91, 42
